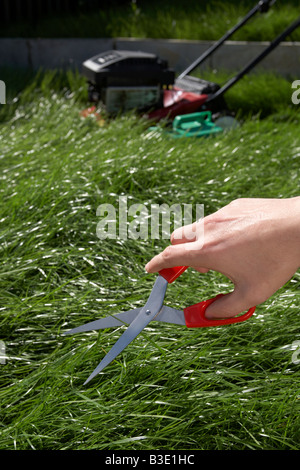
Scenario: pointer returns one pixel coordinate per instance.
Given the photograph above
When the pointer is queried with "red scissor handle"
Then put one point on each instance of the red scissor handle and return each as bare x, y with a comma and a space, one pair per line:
195, 315
170, 274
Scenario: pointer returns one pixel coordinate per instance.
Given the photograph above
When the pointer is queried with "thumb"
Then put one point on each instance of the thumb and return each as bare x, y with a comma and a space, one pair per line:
228, 305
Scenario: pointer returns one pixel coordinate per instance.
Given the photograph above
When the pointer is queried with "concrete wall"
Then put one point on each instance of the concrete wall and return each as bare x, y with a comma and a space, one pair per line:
66, 53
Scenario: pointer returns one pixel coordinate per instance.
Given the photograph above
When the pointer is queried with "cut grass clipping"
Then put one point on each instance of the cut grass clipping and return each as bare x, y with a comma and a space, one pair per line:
233, 387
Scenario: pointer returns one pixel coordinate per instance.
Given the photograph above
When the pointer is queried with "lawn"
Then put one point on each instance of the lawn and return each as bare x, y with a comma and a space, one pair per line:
234, 387
194, 20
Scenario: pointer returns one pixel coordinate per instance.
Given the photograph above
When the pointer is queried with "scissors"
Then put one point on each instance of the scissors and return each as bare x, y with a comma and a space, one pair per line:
138, 319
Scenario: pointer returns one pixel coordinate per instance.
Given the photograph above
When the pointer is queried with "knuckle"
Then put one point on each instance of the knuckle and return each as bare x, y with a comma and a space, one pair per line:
235, 202
167, 253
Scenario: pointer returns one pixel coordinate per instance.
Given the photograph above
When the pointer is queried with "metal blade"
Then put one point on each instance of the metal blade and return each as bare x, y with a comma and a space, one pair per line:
171, 315
147, 313
124, 318
166, 315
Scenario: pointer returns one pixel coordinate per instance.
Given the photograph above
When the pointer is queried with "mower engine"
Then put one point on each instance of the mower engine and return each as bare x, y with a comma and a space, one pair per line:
125, 80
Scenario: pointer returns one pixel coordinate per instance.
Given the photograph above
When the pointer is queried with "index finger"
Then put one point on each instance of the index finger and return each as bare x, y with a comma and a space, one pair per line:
174, 255
185, 234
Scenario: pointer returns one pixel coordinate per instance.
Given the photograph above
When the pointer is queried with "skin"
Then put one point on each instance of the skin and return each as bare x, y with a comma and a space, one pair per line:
254, 242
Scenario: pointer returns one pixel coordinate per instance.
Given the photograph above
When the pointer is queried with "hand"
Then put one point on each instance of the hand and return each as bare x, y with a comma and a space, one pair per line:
254, 242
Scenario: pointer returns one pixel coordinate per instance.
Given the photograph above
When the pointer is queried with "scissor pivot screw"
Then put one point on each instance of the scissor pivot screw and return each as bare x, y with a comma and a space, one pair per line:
148, 312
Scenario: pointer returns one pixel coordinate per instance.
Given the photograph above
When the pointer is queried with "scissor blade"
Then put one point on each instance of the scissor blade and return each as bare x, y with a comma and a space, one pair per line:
147, 313
171, 315
166, 315
124, 318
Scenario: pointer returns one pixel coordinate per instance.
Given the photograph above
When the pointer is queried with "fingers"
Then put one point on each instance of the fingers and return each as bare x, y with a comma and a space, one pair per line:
186, 241
200, 270
174, 255
229, 305
185, 234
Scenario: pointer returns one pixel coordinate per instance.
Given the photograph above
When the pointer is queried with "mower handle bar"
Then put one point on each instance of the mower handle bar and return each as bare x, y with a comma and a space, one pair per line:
262, 6
255, 61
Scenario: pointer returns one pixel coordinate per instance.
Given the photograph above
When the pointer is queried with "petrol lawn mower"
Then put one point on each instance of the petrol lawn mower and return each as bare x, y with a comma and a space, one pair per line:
124, 80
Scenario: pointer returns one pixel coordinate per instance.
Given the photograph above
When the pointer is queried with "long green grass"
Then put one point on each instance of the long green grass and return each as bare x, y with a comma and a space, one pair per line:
194, 20
223, 388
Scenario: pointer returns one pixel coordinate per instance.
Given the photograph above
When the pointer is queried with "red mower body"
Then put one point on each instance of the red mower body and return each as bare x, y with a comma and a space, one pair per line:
177, 102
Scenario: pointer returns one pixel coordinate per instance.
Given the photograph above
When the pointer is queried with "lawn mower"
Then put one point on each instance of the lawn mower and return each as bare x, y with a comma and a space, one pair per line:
124, 80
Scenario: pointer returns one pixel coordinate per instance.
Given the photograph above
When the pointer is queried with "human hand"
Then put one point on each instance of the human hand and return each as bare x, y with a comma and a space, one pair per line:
254, 242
